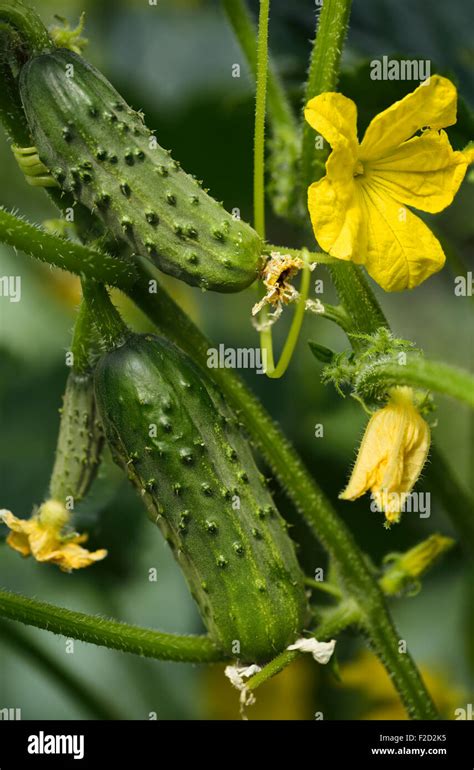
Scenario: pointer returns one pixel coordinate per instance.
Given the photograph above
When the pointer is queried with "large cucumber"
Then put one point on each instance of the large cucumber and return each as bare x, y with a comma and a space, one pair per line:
171, 430
99, 149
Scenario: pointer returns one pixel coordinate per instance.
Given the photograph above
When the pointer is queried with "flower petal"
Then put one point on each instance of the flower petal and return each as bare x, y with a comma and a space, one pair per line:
424, 172
400, 251
392, 454
432, 104
334, 116
335, 215
46, 543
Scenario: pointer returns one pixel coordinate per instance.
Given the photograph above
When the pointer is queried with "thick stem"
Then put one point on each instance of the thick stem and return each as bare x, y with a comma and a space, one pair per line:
108, 633
305, 494
323, 76
84, 346
358, 300
80, 692
111, 330
63, 253
418, 372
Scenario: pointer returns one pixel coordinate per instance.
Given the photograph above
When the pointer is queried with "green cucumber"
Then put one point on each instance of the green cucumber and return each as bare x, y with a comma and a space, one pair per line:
98, 149
80, 442
169, 427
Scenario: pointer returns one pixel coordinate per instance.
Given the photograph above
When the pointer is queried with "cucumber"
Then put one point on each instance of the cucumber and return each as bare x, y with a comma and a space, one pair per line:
80, 442
169, 427
97, 148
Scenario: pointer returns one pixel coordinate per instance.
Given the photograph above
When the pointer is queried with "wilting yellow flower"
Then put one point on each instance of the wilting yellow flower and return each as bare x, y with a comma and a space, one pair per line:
42, 536
392, 454
358, 210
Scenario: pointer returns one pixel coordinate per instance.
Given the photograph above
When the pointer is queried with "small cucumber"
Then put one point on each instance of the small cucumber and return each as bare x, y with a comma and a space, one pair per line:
170, 429
97, 148
80, 442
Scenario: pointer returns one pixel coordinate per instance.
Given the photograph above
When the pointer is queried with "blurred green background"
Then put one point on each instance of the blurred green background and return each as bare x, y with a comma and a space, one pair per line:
174, 61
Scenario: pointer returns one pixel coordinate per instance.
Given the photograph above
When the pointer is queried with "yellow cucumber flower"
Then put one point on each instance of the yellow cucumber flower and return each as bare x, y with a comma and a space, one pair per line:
359, 209
42, 536
392, 454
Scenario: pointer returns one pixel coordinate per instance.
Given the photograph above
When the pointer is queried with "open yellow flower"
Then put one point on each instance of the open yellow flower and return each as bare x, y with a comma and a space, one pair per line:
392, 454
358, 210
42, 536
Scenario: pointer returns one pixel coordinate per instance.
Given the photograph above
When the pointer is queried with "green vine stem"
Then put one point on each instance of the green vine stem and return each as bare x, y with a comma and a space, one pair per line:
246, 33
84, 346
108, 633
323, 76
110, 328
94, 704
304, 492
260, 111
319, 257
50, 248
285, 143
418, 372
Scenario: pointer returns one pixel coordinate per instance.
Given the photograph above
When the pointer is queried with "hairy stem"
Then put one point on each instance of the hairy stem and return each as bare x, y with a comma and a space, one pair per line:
110, 328
244, 28
63, 253
84, 346
418, 372
260, 111
323, 76
108, 633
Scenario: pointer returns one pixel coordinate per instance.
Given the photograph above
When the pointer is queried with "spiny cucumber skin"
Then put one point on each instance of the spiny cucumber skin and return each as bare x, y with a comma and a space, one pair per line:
80, 441
240, 564
99, 149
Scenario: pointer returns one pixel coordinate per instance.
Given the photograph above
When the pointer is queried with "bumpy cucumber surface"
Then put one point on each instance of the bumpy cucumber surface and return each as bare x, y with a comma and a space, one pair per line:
99, 149
80, 441
182, 447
